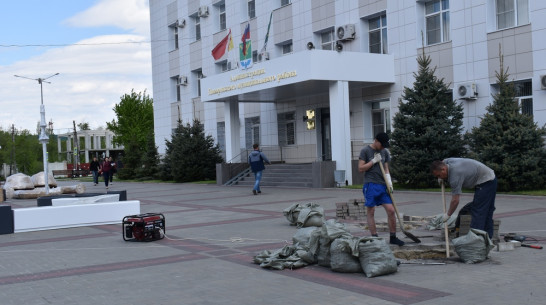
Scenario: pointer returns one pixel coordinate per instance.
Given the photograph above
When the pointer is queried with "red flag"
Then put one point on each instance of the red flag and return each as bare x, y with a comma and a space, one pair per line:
220, 49
246, 35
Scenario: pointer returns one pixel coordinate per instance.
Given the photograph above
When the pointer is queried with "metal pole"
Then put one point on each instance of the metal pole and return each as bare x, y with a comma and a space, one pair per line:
43, 138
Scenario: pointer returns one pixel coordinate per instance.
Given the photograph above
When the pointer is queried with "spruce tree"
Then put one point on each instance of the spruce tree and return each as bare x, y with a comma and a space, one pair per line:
427, 127
150, 160
192, 156
508, 141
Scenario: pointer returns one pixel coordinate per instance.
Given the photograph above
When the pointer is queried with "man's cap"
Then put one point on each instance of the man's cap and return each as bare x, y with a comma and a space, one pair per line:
383, 138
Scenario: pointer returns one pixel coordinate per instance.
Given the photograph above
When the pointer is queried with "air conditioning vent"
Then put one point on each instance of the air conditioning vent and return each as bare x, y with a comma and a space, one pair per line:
183, 80
467, 91
543, 82
203, 11
181, 23
263, 56
346, 32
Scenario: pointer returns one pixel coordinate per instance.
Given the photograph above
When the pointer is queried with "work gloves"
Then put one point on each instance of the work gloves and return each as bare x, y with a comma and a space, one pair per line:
444, 218
376, 158
389, 183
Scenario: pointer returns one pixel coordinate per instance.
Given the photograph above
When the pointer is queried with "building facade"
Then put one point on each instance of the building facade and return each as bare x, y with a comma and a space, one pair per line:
316, 80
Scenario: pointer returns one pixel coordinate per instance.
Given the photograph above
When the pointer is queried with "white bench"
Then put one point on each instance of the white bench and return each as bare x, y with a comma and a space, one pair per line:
69, 216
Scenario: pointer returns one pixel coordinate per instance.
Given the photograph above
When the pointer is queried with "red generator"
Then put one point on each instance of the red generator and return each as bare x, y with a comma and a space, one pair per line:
143, 227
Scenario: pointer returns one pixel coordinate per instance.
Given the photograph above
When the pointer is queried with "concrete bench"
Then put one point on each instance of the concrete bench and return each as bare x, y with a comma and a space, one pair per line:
76, 215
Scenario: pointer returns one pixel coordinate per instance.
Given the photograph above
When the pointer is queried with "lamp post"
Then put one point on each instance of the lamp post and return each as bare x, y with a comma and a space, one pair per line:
43, 138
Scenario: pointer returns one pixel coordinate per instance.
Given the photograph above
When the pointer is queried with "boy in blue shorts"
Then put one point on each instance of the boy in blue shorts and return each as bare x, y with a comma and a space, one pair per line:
375, 188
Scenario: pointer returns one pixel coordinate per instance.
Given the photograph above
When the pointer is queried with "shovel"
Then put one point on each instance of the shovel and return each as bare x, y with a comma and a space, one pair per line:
408, 234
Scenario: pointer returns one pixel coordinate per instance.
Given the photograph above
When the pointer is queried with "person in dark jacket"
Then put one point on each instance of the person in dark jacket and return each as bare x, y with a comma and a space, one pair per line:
106, 167
256, 159
95, 167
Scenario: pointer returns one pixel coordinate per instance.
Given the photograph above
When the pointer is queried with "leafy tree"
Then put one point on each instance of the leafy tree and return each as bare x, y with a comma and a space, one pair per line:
191, 156
427, 127
84, 126
508, 141
135, 121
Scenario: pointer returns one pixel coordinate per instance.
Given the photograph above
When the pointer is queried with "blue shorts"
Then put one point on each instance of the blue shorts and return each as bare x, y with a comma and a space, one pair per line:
375, 194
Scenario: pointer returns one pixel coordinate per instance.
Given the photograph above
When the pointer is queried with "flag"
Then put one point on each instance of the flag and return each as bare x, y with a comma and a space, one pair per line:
230, 45
220, 49
246, 35
267, 35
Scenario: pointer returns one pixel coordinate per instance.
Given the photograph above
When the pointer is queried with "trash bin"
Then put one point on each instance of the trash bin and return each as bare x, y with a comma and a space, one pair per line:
339, 177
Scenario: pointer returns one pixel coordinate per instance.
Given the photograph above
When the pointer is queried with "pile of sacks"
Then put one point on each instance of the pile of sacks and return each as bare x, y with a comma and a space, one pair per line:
331, 245
21, 186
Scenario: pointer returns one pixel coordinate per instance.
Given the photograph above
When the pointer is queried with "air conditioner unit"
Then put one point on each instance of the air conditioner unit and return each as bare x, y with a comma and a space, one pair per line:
231, 65
263, 56
183, 80
181, 23
543, 82
467, 91
203, 11
346, 32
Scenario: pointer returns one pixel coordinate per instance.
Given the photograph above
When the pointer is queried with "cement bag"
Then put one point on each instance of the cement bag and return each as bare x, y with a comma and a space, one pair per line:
38, 180
308, 240
305, 215
19, 182
376, 257
323, 255
287, 257
330, 230
341, 258
474, 246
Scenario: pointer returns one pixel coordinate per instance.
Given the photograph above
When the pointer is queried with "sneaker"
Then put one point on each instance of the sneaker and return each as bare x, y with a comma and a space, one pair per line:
395, 241
106, 187
254, 192
259, 192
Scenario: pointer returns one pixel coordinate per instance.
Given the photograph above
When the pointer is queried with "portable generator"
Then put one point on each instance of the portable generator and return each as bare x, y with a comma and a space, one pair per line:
143, 227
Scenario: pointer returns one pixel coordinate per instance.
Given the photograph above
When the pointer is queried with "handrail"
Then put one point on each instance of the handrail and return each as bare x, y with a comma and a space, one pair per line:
240, 154
237, 177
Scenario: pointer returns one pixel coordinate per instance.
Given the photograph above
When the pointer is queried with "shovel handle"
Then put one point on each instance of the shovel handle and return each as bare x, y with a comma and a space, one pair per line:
445, 223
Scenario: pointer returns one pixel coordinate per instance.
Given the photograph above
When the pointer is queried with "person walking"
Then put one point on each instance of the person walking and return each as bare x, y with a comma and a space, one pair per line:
256, 159
94, 167
375, 187
113, 169
106, 167
471, 174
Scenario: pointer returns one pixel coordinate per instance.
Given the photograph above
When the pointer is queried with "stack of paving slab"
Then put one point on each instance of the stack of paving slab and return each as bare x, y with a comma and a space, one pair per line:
353, 209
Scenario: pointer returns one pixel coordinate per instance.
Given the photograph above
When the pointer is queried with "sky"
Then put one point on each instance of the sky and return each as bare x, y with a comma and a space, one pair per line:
100, 48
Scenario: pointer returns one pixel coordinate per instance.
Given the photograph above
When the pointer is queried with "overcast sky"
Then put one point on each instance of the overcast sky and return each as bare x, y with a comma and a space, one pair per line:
100, 48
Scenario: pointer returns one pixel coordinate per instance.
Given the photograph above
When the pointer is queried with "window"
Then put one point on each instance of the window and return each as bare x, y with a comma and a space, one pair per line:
173, 37
254, 56
286, 123
511, 13
437, 21
380, 116
285, 2
222, 9
178, 81
287, 48
252, 131
197, 28
524, 96
221, 135
251, 9
378, 34
327, 40
198, 73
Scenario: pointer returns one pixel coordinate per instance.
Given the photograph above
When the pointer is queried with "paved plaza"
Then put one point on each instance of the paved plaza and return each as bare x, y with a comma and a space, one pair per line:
214, 232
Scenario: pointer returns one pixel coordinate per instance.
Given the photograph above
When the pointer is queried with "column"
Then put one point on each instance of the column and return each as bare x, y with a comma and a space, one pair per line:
341, 127
233, 139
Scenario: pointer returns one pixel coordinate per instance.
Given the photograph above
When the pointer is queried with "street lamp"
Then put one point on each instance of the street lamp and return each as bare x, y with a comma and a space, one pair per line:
43, 138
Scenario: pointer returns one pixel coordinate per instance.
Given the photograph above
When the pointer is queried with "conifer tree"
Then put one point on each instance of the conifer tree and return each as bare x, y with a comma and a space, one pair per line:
150, 160
508, 141
427, 127
191, 155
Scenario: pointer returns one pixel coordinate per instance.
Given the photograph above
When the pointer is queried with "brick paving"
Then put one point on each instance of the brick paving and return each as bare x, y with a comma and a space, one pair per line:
213, 233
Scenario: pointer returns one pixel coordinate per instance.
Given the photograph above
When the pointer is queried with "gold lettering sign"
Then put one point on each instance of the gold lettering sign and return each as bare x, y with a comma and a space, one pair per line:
253, 82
